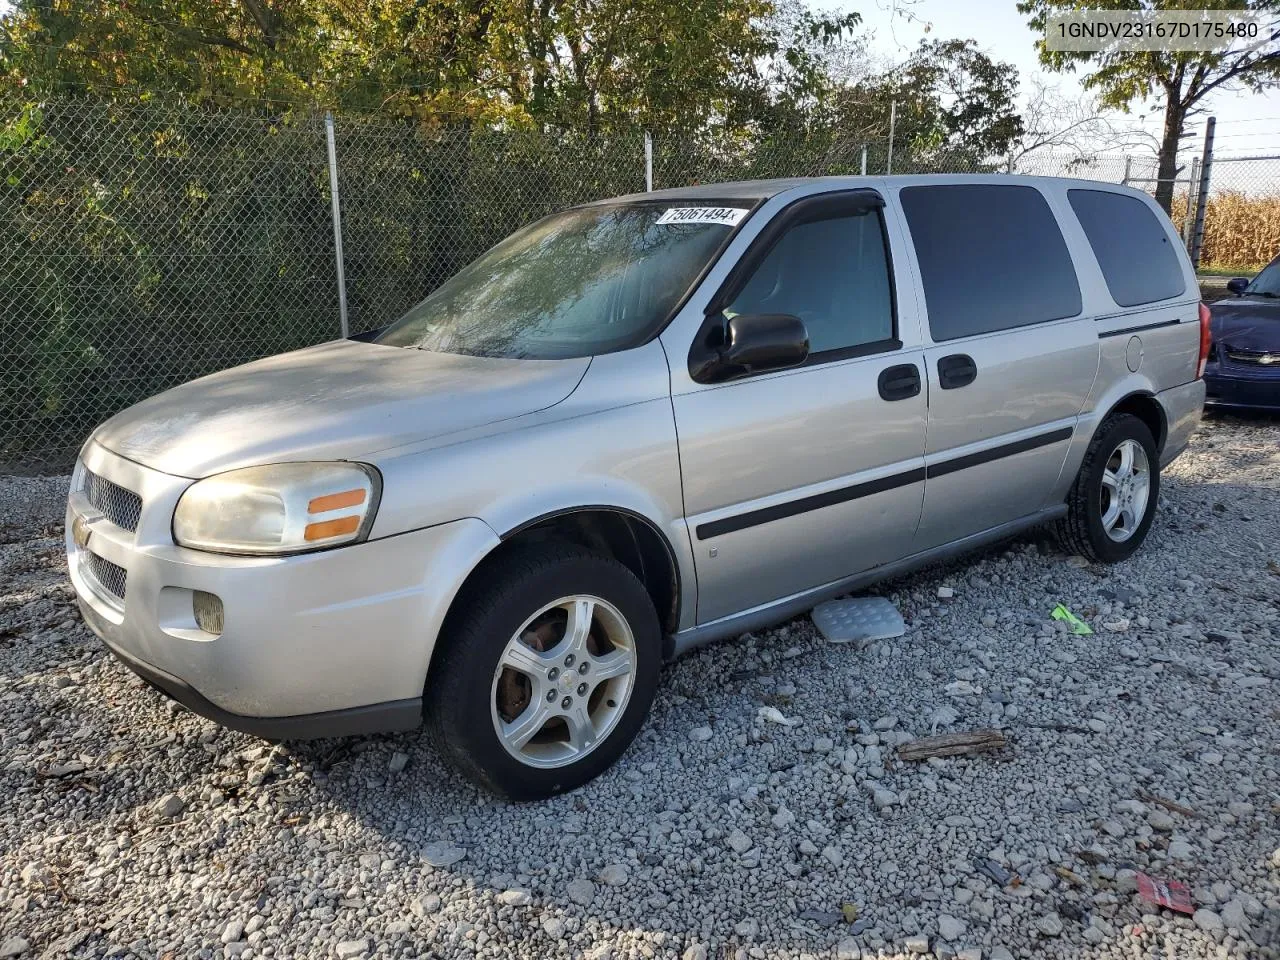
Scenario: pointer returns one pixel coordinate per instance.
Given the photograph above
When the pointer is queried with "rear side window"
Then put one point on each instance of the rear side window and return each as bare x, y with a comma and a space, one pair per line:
1132, 247
991, 258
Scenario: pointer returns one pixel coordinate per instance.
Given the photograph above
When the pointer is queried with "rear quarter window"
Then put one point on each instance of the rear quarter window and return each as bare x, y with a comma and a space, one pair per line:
992, 257
1133, 249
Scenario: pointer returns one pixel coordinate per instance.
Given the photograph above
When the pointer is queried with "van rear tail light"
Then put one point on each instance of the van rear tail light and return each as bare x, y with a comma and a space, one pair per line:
1205, 339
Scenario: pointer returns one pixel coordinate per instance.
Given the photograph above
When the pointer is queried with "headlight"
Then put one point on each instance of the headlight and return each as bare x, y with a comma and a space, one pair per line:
280, 508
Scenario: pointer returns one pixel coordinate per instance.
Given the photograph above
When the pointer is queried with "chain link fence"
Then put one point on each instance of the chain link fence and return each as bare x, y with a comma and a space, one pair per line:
143, 245
1242, 215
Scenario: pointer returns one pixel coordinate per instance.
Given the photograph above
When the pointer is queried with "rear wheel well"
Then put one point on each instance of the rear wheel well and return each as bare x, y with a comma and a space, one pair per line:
1146, 408
626, 537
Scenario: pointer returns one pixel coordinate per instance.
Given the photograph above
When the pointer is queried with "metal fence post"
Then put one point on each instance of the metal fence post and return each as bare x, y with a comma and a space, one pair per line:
864, 159
1202, 195
893, 120
1128, 168
648, 162
1188, 214
337, 225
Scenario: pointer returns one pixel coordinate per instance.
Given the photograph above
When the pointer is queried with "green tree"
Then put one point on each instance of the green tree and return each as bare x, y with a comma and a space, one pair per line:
954, 102
521, 62
1181, 80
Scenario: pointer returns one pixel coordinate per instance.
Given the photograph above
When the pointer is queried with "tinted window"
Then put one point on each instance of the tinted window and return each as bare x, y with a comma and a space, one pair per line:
834, 275
586, 281
991, 258
1267, 283
1132, 247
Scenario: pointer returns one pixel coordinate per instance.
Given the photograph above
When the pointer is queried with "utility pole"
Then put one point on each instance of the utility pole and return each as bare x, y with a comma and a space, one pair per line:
1202, 196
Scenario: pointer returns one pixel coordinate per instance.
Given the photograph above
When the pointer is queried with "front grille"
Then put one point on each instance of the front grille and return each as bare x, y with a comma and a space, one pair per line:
1253, 356
109, 576
122, 507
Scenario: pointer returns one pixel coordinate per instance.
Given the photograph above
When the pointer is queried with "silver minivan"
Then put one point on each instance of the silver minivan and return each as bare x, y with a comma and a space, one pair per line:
628, 430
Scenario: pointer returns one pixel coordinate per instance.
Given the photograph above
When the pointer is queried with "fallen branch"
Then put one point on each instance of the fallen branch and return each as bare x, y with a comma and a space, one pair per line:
952, 744
1147, 797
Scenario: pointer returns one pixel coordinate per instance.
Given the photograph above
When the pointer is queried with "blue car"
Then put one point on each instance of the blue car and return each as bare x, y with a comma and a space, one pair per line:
1243, 370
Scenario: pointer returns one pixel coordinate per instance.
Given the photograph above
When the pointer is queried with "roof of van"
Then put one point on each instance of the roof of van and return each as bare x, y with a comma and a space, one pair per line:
764, 189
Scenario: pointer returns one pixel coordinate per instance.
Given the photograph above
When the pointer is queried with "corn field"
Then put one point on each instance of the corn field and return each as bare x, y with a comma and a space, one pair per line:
1241, 231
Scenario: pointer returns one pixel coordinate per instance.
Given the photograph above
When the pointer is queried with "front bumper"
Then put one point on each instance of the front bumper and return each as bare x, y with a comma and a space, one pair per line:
353, 721
1245, 393
320, 644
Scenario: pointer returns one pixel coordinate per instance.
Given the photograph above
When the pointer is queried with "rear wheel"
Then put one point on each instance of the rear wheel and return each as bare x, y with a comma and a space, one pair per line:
1113, 500
547, 672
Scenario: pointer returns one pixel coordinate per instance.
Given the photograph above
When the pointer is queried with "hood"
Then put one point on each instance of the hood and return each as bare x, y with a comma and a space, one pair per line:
335, 401
1247, 323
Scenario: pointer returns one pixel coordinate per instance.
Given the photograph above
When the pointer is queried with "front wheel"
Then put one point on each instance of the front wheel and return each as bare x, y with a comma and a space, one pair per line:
547, 672
1113, 500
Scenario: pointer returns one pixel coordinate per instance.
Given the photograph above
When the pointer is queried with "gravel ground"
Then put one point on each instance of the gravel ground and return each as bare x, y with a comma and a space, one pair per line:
131, 828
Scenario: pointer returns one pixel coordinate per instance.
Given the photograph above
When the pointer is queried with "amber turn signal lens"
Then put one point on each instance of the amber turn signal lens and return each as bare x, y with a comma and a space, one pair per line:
330, 528
336, 501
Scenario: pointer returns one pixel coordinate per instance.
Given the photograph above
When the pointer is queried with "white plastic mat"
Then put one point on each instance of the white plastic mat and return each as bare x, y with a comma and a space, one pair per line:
860, 620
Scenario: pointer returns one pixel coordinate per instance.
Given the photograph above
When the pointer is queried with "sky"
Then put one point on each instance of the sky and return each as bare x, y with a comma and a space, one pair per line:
1247, 123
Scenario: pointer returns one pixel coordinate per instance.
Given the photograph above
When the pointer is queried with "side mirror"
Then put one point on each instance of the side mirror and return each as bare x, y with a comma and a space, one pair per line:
750, 343
1238, 285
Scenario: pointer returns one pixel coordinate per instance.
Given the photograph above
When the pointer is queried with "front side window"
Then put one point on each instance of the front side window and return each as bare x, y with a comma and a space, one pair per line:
587, 281
833, 274
991, 258
1132, 247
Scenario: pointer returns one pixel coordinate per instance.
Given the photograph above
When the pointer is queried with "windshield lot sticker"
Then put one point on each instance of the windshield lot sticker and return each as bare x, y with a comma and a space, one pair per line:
725, 216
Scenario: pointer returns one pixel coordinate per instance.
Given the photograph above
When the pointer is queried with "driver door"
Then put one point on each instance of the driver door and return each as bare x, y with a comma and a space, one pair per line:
795, 478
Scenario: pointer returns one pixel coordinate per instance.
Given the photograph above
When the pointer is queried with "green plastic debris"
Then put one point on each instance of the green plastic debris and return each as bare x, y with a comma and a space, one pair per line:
1078, 626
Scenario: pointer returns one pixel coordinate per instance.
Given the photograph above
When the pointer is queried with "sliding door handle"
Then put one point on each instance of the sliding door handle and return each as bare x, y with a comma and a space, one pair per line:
957, 370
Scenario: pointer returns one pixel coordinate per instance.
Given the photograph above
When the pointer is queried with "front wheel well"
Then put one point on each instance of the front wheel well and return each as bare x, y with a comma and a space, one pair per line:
626, 537
1146, 408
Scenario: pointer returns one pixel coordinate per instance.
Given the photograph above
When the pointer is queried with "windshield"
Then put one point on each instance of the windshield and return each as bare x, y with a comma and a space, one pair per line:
1267, 283
589, 280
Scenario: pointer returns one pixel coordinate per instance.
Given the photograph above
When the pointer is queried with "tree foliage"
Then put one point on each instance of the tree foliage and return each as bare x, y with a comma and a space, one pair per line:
516, 61
695, 65
953, 101
1180, 80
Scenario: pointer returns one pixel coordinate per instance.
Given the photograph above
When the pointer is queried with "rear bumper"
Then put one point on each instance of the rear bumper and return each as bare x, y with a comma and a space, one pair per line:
1183, 406
1245, 393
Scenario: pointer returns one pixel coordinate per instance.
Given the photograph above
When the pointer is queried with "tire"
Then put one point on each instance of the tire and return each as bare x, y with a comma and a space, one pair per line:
1084, 529
471, 693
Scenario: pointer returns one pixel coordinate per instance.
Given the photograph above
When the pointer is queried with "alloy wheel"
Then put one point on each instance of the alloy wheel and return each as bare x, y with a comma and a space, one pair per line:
1126, 488
563, 681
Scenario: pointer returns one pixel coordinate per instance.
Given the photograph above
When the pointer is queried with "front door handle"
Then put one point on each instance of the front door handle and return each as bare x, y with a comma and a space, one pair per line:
957, 370
900, 382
